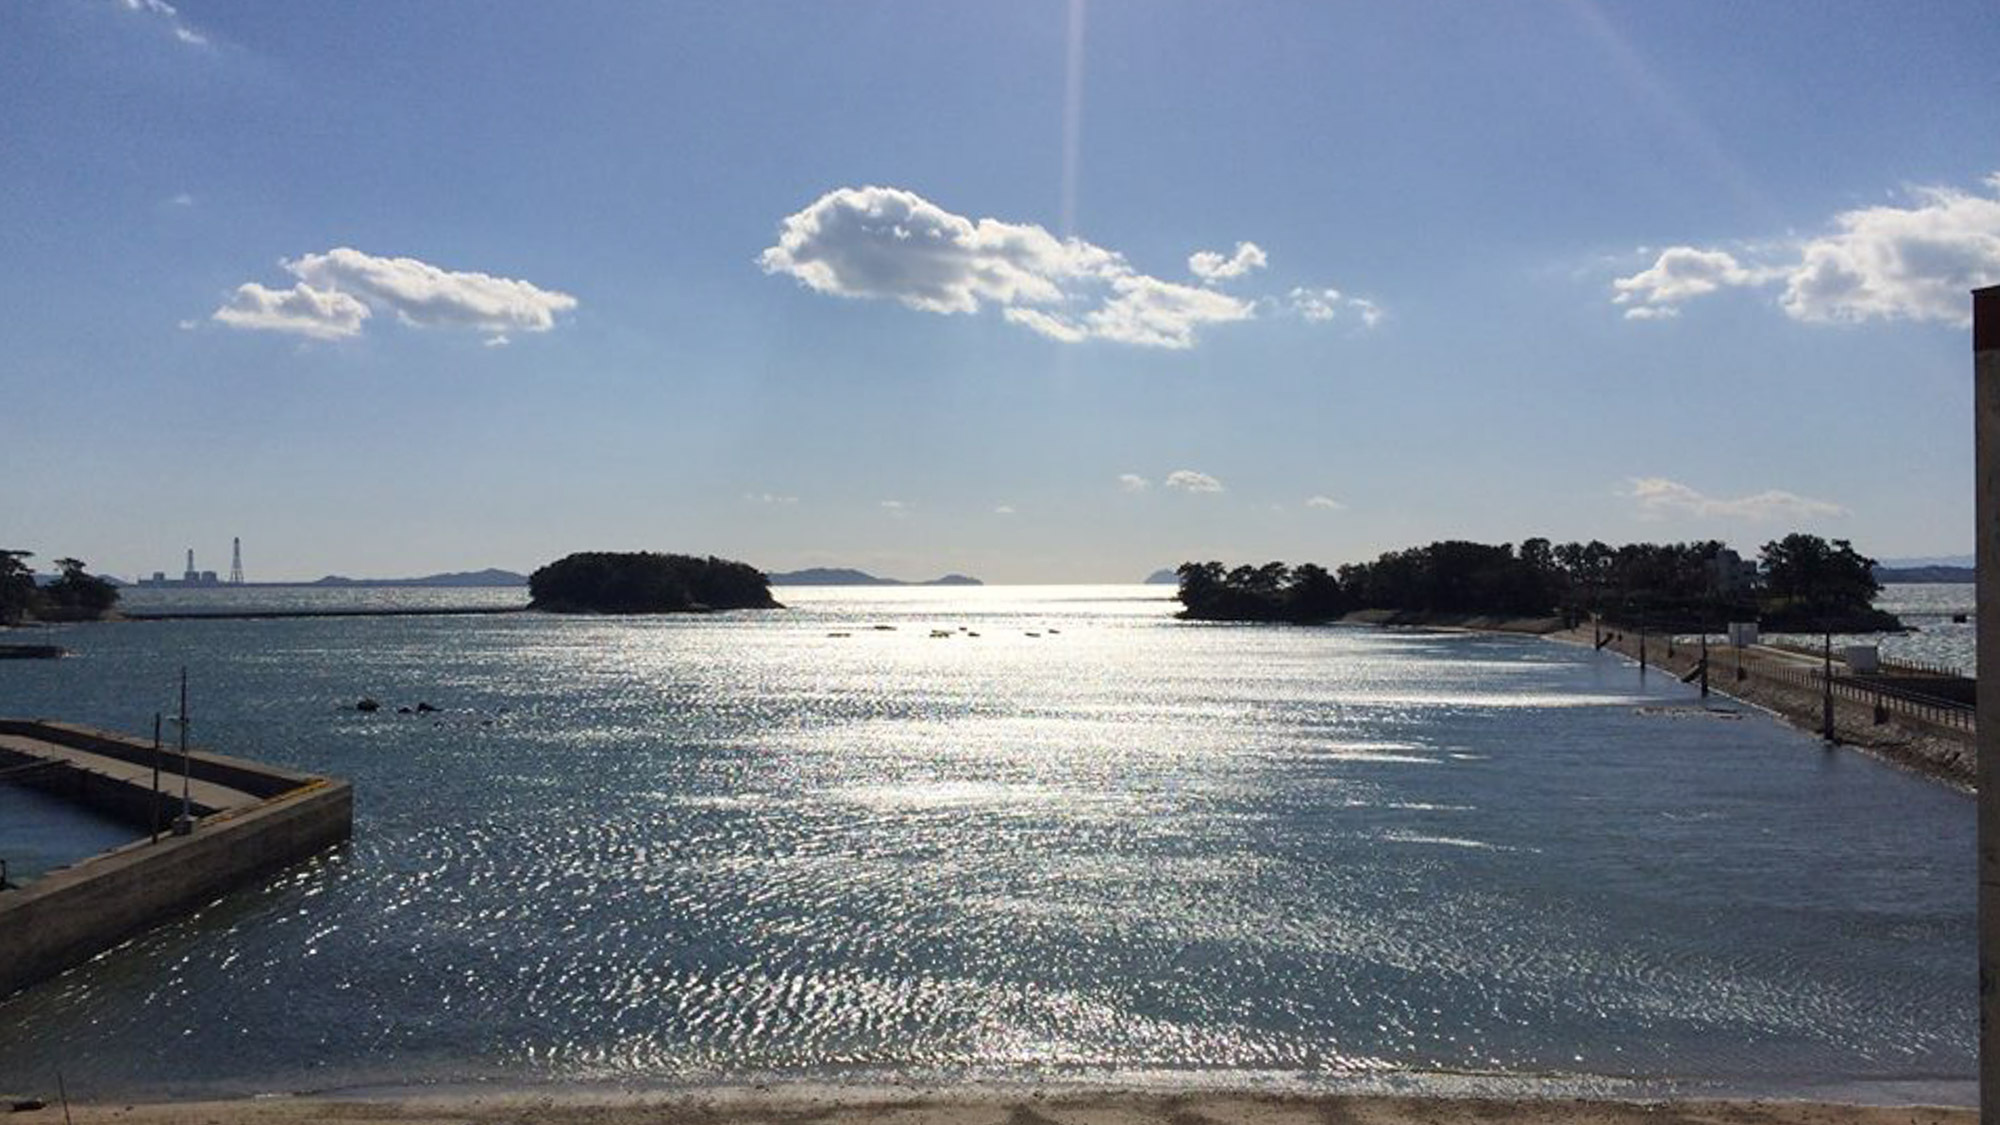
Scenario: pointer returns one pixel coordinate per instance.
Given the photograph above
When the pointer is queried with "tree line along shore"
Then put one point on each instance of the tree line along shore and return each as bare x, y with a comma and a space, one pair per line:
1799, 583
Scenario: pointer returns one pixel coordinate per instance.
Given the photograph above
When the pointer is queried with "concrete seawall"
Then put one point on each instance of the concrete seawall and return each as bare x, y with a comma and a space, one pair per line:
1904, 736
255, 819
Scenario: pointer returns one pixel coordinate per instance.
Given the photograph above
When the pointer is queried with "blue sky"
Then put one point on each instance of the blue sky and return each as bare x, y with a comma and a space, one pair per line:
1033, 291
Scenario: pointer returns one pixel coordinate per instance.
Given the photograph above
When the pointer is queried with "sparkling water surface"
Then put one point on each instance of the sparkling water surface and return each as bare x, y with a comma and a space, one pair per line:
1934, 638
1088, 843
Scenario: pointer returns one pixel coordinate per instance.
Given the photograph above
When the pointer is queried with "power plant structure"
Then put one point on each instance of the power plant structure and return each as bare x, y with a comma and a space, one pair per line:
192, 577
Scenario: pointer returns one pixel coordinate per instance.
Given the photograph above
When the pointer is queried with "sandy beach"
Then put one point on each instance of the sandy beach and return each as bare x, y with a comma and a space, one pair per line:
847, 1107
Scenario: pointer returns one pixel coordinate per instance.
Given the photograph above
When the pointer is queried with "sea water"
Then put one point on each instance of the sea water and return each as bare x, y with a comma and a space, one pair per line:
1018, 834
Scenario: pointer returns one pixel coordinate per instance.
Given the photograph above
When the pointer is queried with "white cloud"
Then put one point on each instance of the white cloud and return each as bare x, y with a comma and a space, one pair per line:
184, 199
1913, 262
172, 16
895, 508
1212, 267
1680, 272
1321, 305
1652, 312
333, 286
301, 310
1161, 314
1003, 510
1054, 327
1658, 497
890, 244
1187, 480
427, 296
1326, 502
1133, 482
769, 498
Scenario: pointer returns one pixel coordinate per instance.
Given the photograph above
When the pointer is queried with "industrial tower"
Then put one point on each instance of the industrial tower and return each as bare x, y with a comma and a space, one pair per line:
236, 562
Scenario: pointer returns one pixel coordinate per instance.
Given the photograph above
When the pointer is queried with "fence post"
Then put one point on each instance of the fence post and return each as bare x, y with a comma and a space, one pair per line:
1704, 662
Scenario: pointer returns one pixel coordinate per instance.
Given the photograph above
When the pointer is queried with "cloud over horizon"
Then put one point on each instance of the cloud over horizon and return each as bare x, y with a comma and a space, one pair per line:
1325, 304
886, 243
1659, 497
1187, 480
1914, 262
337, 291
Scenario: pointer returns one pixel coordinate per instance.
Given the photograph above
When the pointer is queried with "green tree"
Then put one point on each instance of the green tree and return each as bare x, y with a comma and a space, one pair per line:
78, 592
1808, 573
18, 595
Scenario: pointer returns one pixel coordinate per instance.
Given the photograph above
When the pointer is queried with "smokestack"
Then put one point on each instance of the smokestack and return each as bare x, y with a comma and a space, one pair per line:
1986, 538
190, 575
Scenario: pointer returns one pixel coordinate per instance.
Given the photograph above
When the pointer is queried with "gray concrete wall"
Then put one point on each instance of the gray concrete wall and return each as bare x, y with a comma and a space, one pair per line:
75, 913
254, 778
136, 806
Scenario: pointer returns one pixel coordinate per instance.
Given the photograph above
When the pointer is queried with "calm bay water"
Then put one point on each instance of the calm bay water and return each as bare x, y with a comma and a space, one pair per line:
650, 851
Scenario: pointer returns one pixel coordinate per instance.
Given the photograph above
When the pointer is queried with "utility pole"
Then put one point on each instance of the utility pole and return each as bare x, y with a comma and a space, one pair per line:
1826, 689
1704, 662
1986, 535
155, 806
185, 824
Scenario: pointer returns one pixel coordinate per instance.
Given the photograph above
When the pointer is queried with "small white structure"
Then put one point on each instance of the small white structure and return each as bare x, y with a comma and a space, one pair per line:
1865, 659
1743, 634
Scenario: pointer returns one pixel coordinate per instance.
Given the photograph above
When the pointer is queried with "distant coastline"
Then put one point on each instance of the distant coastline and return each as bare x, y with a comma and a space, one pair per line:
844, 576
1957, 574
490, 577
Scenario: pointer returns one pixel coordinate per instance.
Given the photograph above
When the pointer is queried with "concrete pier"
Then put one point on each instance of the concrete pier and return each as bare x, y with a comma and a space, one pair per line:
251, 819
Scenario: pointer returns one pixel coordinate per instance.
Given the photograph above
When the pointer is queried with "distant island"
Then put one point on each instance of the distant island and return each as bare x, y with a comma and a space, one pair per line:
74, 594
1925, 574
647, 582
487, 577
1166, 577
841, 576
1801, 583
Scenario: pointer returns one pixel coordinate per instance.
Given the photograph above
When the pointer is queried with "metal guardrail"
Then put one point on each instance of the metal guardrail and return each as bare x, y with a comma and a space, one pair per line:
1727, 664
1921, 667
1885, 700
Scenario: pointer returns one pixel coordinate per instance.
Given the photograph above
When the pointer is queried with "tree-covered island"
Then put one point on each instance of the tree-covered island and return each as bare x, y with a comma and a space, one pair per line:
74, 595
1801, 583
647, 582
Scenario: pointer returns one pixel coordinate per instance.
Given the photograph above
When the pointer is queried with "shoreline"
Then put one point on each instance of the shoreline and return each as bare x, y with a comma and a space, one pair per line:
983, 1105
1946, 757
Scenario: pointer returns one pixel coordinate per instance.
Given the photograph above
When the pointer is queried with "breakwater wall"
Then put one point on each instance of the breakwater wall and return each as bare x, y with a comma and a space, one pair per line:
1471, 622
253, 819
1929, 736
284, 614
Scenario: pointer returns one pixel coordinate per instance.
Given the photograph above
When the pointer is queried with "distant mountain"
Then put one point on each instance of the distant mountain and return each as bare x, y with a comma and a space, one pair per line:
46, 579
487, 577
1928, 560
1163, 578
1924, 574
843, 576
